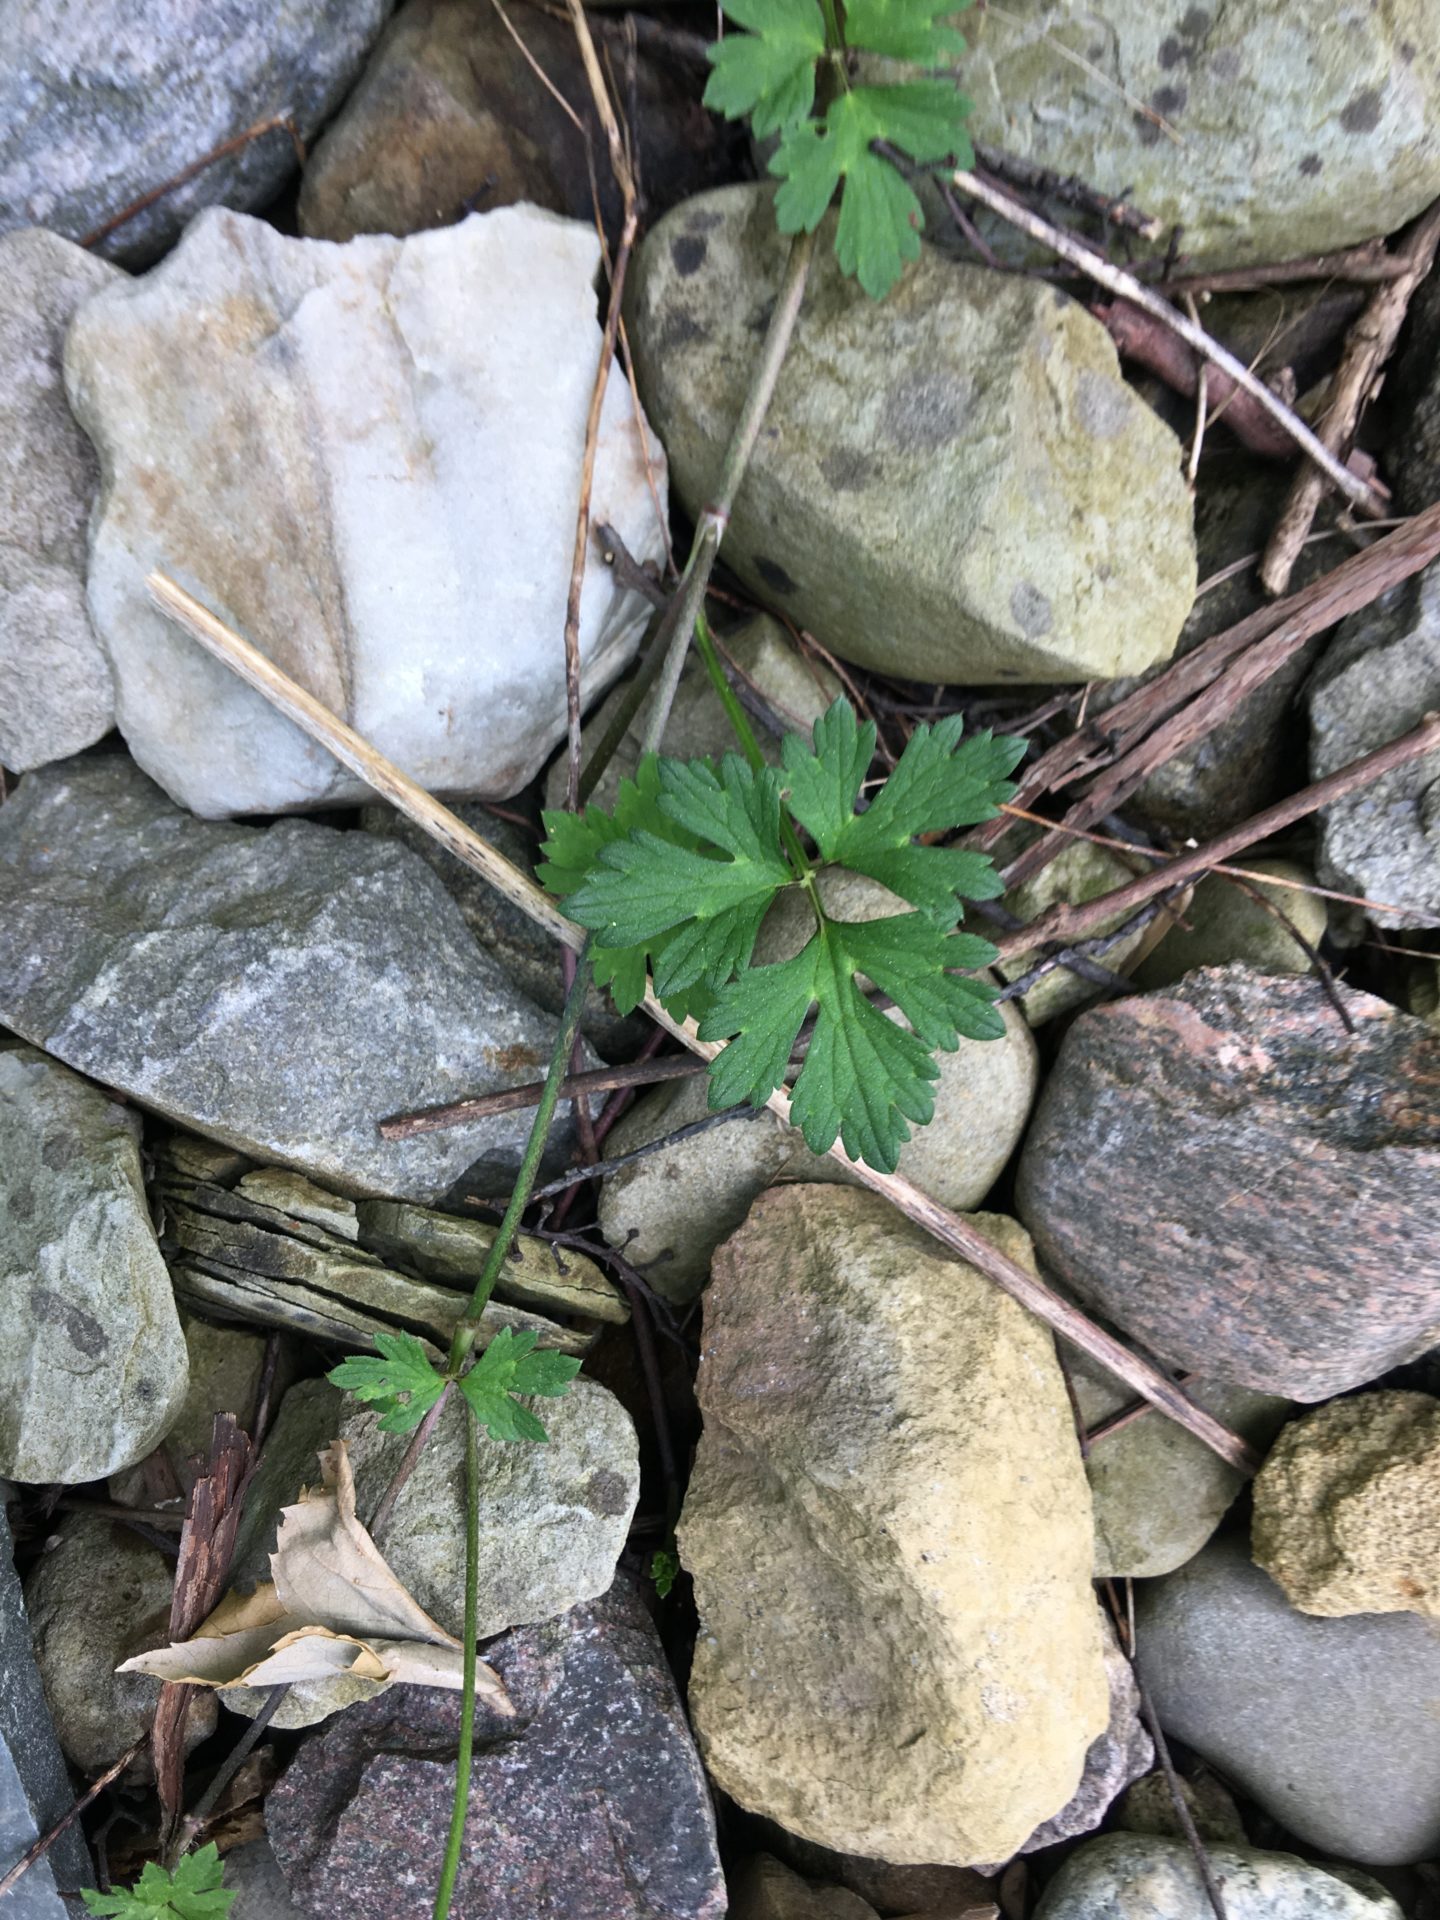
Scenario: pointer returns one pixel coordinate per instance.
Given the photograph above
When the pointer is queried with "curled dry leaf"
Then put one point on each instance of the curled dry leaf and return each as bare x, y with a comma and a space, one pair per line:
332, 1607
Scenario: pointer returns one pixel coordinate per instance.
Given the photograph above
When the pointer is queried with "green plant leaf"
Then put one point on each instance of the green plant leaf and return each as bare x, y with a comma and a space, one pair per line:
939, 782
510, 1366
880, 217
664, 1570
192, 1892
402, 1383
769, 72
904, 30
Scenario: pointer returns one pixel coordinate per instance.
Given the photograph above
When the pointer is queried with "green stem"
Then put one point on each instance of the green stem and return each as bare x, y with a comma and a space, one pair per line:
456, 1839
465, 1332
710, 528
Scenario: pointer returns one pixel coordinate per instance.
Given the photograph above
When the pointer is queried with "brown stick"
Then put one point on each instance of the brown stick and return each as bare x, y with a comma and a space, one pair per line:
1370, 344
47, 1840
578, 1086
949, 1228
1066, 922
1153, 344
625, 180
1127, 287
1365, 265
278, 122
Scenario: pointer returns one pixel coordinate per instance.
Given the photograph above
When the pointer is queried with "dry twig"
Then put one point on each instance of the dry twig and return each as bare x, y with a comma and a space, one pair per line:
276, 123
47, 1840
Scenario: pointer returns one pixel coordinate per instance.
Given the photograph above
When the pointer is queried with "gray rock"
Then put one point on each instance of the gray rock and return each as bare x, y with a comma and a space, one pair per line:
253, 1874
225, 1368
1225, 922
92, 1367
956, 485
452, 113
199, 968
101, 104
1412, 459
97, 1596
1379, 677
1160, 1493
589, 1805
1079, 873
55, 694
35, 1789
1149, 1807
1294, 129
876, 1429
681, 1202
307, 1421
371, 466
790, 689
1126, 1876
1328, 1724
1231, 1128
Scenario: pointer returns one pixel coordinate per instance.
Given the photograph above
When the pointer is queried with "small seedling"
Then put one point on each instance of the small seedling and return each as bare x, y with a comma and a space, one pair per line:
664, 1570
403, 1384
193, 1891
793, 55
679, 877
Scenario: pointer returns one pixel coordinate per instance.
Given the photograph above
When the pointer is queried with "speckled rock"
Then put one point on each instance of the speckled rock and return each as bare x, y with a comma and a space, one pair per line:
1291, 129
681, 1202
787, 686
398, 428
1079, 873
955, 485
1227, 924
92, 1365
589, 1805
1126, 1876
55, 693
1149, 1807
100, 104
1239, 1183
97, 1596
225, 1368
1347, 1507
1328, 1724
1159, 1493
253, 1873
1379, 677
195, 967
452, 115
889, 1533
764, 1888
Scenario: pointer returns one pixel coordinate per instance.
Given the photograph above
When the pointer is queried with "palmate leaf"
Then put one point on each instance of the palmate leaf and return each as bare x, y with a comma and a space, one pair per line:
769, 72
905, 30
193, 1891
509, 1366
401, 1384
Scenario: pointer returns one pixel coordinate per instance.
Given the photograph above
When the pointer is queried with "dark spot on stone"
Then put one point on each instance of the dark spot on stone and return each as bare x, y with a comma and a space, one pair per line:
58, 1151
846, 470
774, 575
924, 412
704, 222
1032, 610
83, 1330
679, 330
606, 1493
1225, 65
1311, 165
1146, 131
20, 1202
1196, 23
1170, 100
1407, 51
759, 321
688, 253
1361, 113
1172, 52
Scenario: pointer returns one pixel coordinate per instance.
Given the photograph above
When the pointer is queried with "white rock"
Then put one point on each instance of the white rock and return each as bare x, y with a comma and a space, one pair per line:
367, 458
55, 694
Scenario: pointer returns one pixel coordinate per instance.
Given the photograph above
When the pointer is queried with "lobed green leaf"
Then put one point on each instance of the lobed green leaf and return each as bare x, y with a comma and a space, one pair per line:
402, 1383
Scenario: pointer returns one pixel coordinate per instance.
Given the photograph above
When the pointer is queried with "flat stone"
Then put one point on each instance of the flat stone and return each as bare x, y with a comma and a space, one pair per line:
101, 106
92, 1367
672, 1209
764, 1888
1160, 1493
1328, 1724
1379, 677
1243, 1186
1347, 1507
35, 1788
452, 114
1126, 1876
1226, 924
225, 1370
55, 693
200, 979
890, 1537
417, 407
98, 1595
1264, 133
955, 485
590, 1805
253, 1874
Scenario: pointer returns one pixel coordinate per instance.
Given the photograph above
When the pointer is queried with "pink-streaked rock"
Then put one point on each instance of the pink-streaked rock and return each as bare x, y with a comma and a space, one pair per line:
1243, 1185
